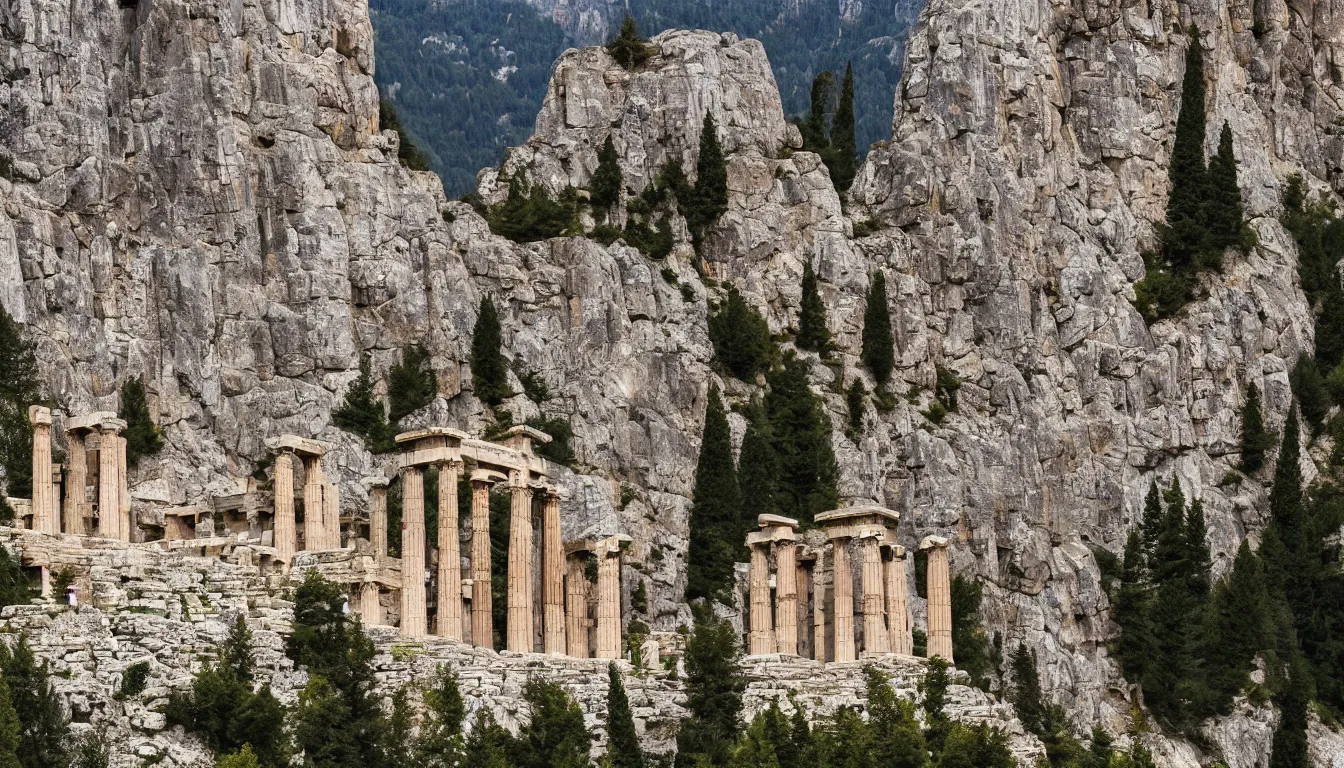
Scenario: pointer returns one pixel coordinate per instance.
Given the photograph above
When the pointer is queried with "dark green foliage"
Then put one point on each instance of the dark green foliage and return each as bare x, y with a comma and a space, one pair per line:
133, 680
945, 388
714, 687
14, 586
1132, 607
758, 468
716, 509
812, 331
1313, 400
976, 746
628, 47
1048, 721
605, 186
361, 413
559, 449
441, 744
1255, 439
43, 731
529, 214
936, 721
741, 337
1237, 627
1185, 215
879, 351
708, 200
555, 736
972, 647
1223, 206
400, 725
143, 437
843, 155
90, 751
801, 432
855, 397
1320, 243
534, 385
18, 390
815, 128
487, 743
410, 384
897, 740
1289, 749
408, 154
489, 373
622, 740
11, 730
500, 518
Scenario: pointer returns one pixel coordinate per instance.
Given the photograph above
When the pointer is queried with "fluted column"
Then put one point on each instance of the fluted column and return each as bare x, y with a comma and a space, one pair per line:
898, 611
520, 568
553, 577
378, 516
818, 613
576, 609
450, 555
45, 518
76, 483
331, 516
842, 580
412, 553
608, 603
123, 491
804, 588
314, 504
109, 495
761, 638
940, 599
369, 608
875, 638
482, 607
284, 534
786, 599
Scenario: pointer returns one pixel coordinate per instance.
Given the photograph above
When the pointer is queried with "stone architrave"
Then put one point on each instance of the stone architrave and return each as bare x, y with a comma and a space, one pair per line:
875, 638
450, 555
940, 598
761, 637
519, 628
377, 486
314, 504
45, 517
552, 576
842, 527
898, 609
482, 616
576, 608
609, 597
284, 536
76, 483
413, 619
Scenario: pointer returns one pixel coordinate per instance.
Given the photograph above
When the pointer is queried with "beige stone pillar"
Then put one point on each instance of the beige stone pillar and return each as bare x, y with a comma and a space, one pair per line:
786, 598
520, 567
818, 613
450, 554
842, 586
377, 515
45, 517
413, 618
76, 483
609, 600
371, 612
482, 605
109, 492
898, 610
761, 637
127, 524
284, 536
314, 504
875, 638
331, 516
576, 608
940, 598
802, 590
552, 577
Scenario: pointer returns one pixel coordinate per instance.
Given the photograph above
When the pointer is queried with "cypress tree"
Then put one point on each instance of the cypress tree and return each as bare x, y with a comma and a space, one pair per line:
1185, 237
1222, 206
605, 187
622, 741
361, 413
1309, 388
1151, 525
555, 736
714, 688
1237, 627
143, 437
628, 47
18, 390
758, 468
1289, 749
1255, 439
715, 509
801, 432
441, 743
812, 331
879, 351
844, 150
1197, 559
43, 730
11, 730
709, 199
741, 337
1027, 699
487, 743
489, 373
14, 586
410, 384
897, 737
816, 136
855, 397
1133, 647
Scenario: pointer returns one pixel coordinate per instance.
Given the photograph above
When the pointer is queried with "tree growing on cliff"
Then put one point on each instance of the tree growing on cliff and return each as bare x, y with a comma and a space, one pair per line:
758, 468
1134, 645
844, 154
489, 373
11, 730
410, 384
143, 437
879, 351
741, 337
815, 128
1238, 625
1255, 439
555, 736
628, 47
1185, 236
441, 743
605, 187
622, 741
716, 509
812, 331
43, 729
708, 199
1313, 399
801, 431
714, 688
19, 388
361, 413
1223, 209
408, 153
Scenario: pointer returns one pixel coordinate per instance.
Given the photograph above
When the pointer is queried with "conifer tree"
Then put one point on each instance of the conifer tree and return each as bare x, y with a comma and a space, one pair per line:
243, 758
18, 390
1185, 215
1197, 561
709, 199
814, 129
90, 751
622, 742
855, 397
1237, 628
844, 151
605, 187
441, 743
812, 331
758, 468
897, 737
1285, 536
1152, 518
741, 337
628, 47
714, 688
143, 437
1313, 401
555, 736
410, 384
1289, 748
1255, 439
11, 730
879, 351
14, 586
936, 720
1134, 645
361, 413
801, 432
489, 373
487, 743
1028, 702
1222, 206
715, 509
44, 732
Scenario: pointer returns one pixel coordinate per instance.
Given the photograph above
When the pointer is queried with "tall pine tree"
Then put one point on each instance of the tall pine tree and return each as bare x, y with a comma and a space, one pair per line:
361, 413
18, 390
716, 509
1222, 205
844, 154
801, 431
143, 437
43, 731
812, 331
758, 468
714, 688
741, 337
555, 736
1255, 439
489, 374
605, 187
622, 741
814, 129
709, 198
410, 384
1237, 627
1134, 646
1184, 239
879, 351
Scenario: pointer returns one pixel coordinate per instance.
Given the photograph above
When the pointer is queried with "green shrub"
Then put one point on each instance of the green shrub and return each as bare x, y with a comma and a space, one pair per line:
529, 214
628, 47
411, 384
133, 680
741, 337
559, 449
362, 414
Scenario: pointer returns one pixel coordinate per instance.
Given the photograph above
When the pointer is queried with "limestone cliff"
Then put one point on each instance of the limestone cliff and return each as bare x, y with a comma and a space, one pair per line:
200, 195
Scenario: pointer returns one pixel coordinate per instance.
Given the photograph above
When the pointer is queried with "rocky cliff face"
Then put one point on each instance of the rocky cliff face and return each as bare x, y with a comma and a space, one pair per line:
200, 196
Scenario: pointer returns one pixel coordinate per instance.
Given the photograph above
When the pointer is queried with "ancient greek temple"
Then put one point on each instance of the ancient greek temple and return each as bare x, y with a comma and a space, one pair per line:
802, 599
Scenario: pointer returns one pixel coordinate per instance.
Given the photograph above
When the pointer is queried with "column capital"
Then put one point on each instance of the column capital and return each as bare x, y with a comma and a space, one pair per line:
375, 481
488, 476
932, 542
39, 415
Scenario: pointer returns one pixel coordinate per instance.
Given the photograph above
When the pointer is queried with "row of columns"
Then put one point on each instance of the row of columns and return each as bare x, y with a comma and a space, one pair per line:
114, 495
321, 499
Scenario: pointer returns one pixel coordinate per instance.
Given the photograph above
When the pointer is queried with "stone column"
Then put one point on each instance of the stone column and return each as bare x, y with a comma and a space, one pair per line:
284, 535
940, 599
786, 598
331, 516
450, 554
412, 553
109, 494
127, 524
45, 518
875, 638
377, 515
576, 609
761, 637
482, 606
842, 585
76, 483
818, 613
553, 577
370, 610
608, 601
898, 612
520, 567
801, 581
314, 503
